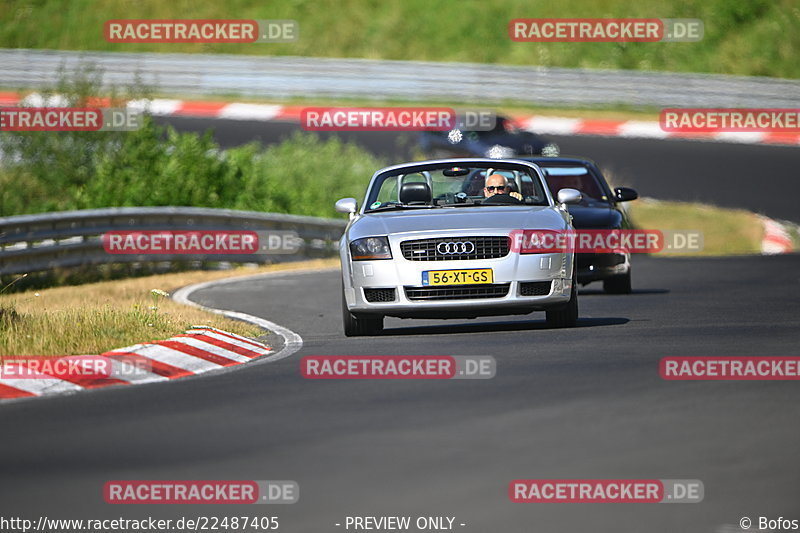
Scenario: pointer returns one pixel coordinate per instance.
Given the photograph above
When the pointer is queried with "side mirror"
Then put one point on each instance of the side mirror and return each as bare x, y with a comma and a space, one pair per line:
347, 205
569, 196
625, 194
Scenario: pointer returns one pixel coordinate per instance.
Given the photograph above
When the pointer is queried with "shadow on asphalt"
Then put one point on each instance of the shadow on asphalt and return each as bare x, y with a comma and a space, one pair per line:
483, 327
601, 292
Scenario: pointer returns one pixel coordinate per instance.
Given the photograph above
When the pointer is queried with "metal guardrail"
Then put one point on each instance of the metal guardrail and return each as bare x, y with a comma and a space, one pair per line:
34, 243
283, 77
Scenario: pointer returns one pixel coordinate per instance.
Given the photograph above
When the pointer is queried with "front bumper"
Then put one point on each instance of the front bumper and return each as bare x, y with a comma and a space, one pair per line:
596, 267
515, 276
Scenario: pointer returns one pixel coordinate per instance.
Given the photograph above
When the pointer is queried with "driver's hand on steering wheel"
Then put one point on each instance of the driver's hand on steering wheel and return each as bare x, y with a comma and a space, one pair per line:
516, 195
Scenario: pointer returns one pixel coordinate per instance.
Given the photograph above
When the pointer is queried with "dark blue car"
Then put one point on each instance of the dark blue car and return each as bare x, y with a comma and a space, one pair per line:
505, 140
600, 209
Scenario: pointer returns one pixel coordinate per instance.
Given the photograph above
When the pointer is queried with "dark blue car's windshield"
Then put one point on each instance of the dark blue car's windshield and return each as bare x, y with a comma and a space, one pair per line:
578, 177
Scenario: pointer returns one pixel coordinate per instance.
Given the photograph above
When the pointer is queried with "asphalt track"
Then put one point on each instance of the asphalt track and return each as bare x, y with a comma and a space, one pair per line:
581, 403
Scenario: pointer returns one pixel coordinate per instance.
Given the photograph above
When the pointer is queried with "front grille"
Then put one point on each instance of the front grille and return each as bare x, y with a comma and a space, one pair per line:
478, 248
379, 295
535, 288
457, 293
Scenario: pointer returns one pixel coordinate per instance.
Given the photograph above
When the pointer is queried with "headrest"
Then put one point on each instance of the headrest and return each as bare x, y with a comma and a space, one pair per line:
475, 186
415, 192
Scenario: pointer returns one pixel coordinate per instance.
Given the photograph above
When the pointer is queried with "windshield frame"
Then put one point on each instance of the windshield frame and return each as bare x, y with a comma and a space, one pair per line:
473, 163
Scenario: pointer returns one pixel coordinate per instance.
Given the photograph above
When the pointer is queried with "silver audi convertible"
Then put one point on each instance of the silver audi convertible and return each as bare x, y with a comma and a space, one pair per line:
441, 239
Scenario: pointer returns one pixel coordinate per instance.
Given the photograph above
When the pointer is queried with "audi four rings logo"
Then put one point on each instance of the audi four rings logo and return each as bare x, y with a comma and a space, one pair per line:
446, 248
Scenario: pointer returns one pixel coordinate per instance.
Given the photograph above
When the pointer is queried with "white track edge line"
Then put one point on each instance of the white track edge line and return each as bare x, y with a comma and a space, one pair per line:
292, 341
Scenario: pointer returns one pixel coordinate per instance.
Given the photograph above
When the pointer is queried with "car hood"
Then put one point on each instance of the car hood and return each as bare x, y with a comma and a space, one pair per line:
584, 217
467, 219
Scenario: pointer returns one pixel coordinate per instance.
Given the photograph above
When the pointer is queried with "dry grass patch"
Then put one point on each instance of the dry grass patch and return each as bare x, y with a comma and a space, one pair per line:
725, 231
97, 317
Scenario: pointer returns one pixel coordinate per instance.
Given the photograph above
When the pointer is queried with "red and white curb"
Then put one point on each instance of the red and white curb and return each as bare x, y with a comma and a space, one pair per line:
645, 130
201, 349
166, 107
536, 123
776, 238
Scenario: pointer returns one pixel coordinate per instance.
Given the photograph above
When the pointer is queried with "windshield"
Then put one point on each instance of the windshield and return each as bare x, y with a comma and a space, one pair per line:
575, 178
454, 186
502, 126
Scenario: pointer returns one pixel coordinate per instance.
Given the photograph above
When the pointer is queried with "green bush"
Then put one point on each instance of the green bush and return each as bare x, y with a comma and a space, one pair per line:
158, 166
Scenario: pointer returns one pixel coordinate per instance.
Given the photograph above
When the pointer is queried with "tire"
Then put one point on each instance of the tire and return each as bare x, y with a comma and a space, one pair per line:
359, 325
565, 315
618, 284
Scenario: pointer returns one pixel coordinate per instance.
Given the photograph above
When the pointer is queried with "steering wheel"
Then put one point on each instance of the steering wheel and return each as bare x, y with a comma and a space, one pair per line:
502, 199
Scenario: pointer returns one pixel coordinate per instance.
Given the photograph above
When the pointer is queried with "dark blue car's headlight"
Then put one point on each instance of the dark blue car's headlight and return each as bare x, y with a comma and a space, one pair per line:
370, 248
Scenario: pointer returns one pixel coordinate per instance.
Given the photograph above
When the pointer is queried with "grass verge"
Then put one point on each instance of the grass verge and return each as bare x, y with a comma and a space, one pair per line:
97, 317
747, 37
725, 231
794, 233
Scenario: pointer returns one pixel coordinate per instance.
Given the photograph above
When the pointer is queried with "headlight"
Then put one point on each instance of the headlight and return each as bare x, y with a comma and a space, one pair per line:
499, 151
454, 136
370, 248
550, 150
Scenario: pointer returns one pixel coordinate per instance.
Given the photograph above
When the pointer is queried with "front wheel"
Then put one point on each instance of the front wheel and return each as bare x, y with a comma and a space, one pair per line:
359, 325
565, 315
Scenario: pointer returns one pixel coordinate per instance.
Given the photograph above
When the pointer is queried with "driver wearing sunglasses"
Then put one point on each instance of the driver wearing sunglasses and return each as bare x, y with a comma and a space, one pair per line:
498, 184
